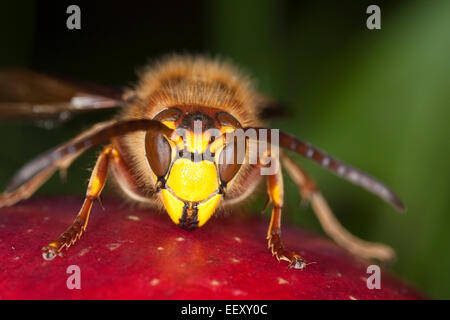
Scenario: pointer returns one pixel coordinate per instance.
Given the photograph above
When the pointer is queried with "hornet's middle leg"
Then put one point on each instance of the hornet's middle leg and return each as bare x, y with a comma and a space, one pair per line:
330, 224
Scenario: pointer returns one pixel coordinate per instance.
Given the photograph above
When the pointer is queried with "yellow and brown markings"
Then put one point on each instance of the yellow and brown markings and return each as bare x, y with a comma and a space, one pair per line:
180, 153
188, 175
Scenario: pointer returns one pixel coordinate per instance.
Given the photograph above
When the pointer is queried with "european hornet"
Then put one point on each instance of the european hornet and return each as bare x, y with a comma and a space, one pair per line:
193, 174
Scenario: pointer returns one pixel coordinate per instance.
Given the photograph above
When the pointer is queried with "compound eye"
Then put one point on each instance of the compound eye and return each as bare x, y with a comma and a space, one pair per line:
227, 120
170, 114
230, 161
158, 152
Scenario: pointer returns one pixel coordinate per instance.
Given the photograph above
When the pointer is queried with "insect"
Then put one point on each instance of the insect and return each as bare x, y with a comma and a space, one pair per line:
190, 175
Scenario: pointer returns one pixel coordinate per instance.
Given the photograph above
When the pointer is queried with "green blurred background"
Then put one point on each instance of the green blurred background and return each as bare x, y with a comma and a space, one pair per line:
376, 99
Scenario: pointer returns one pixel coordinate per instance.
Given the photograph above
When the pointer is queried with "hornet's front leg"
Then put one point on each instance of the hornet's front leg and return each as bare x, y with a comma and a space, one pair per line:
275, 190
95, 187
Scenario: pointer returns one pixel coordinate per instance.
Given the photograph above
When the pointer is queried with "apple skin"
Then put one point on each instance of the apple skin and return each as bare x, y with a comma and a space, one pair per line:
130, 253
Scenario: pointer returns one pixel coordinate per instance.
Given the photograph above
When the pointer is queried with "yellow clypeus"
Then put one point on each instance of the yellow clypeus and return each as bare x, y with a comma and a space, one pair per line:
193, 181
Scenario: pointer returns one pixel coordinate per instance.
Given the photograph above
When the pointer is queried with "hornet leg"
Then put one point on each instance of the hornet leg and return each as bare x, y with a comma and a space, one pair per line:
95, 187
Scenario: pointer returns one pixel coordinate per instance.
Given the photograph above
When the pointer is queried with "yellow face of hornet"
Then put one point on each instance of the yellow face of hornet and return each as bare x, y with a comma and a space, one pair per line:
189, 175
192, 190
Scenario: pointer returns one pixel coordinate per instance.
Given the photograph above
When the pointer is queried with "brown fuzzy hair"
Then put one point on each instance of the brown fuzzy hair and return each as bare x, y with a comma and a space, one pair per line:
184, 81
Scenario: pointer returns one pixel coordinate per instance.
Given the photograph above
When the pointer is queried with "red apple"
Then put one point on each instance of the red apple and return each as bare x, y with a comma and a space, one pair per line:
131, 253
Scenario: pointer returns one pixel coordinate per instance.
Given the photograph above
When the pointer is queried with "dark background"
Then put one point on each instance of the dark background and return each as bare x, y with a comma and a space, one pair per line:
376, 99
